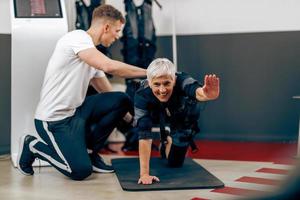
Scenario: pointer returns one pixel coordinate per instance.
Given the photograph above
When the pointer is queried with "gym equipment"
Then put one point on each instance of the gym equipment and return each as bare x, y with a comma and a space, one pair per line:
36, 25
190, 176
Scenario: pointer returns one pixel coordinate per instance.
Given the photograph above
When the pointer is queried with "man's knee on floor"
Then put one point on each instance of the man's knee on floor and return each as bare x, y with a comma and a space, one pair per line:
81, 172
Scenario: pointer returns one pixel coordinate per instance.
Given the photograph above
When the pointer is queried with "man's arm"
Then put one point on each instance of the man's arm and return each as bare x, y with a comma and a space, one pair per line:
101, 84
210, 90
98, 60
144, 156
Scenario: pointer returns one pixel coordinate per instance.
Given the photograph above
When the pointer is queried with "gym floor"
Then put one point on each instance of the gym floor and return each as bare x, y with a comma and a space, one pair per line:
246, 168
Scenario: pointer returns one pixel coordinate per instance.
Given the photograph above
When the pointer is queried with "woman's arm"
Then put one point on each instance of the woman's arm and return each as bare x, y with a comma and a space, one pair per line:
144, 155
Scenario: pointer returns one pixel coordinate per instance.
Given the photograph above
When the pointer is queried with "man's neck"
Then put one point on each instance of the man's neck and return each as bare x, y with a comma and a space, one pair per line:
95, 35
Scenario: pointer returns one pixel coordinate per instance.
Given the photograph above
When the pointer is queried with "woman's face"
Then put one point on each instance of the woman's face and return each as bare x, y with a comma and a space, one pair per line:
162, 87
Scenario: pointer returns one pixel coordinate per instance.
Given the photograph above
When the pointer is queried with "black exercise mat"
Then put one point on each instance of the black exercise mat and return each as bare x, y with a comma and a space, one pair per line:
190, 176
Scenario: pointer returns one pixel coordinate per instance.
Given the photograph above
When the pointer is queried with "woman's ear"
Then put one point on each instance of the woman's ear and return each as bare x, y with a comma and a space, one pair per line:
174, 81
150, 84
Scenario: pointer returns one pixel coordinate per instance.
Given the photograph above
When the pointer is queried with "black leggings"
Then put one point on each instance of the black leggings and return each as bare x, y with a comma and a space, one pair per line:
65, 142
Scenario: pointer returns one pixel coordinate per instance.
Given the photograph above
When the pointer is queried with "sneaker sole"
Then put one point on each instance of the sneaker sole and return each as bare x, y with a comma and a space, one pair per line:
95, 169
21, 145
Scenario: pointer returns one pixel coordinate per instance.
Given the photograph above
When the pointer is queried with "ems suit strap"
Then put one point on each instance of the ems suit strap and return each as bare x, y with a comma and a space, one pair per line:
193, 114
195, 130
163, 133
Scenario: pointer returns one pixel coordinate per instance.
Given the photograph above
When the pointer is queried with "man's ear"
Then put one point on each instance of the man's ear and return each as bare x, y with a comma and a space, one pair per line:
106, 27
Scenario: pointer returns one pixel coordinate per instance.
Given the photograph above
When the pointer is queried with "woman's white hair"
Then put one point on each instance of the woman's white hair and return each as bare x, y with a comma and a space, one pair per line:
160, 67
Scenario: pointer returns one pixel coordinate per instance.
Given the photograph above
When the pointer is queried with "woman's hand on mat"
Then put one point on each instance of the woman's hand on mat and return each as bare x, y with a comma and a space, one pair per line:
146, 179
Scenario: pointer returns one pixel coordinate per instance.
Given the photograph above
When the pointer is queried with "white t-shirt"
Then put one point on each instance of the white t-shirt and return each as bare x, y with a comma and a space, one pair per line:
67, 78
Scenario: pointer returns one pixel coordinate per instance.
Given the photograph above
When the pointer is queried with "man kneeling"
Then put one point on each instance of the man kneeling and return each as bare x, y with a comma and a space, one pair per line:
169, 98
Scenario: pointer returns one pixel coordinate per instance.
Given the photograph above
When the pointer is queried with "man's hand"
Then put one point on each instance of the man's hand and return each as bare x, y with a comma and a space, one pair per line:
147, 179
210, 90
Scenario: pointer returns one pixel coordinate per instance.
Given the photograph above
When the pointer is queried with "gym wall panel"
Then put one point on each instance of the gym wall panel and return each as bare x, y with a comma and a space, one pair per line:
5, 85
5, 66
260, 72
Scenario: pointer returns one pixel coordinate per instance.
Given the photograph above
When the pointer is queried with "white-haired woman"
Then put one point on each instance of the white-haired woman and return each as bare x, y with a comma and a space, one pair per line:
169, 98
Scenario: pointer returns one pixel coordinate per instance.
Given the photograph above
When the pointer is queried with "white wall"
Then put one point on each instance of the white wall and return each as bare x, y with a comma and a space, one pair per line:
220, 16
5, 17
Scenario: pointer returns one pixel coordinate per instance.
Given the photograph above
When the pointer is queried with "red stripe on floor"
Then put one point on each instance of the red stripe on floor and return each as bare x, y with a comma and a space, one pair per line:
237, 191
279, 153
197, 198
273, 171
264, 181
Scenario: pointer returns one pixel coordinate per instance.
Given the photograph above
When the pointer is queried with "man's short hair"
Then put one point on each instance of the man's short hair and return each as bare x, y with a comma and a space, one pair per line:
160, 67
108, 12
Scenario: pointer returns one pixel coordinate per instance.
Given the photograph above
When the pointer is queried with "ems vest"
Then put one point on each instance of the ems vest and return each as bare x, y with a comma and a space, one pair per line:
138, 34
84, 13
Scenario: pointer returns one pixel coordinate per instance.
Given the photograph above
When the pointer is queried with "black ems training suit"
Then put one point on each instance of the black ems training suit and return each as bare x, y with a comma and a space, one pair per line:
181, 113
